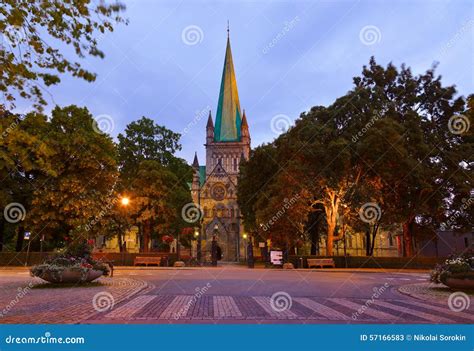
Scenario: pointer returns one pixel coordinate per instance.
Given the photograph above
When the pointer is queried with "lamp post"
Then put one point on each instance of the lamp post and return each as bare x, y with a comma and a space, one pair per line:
244, 236
199, 236
250, 261
124, 201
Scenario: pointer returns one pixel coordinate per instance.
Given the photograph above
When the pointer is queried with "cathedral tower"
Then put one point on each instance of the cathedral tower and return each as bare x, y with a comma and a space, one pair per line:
215, 184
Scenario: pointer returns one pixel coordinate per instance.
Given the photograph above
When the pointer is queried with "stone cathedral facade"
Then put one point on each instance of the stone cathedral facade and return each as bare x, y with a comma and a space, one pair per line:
214, 186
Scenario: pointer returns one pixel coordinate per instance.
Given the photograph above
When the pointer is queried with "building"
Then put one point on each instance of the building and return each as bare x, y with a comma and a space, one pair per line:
447, 242
214, 186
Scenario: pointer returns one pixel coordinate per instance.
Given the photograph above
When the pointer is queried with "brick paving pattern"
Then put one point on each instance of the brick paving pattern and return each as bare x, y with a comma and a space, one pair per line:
60, 305
159, 308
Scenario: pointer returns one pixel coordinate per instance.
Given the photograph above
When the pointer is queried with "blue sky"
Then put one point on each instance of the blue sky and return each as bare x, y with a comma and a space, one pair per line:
288, 57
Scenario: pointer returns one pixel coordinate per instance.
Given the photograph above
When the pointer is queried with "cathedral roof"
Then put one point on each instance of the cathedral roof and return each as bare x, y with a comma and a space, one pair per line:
210, 124
195, 162
202, 175
244, 121
228, 117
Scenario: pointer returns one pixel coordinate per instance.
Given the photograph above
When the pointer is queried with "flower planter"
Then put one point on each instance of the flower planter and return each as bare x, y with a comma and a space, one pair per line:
459, 283
70, 276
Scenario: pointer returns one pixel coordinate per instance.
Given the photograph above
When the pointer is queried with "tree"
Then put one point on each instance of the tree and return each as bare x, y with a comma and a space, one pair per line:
35, 34
390, 142
254, 175
158, 197
25, 164
433, 162
86, 174
145, 140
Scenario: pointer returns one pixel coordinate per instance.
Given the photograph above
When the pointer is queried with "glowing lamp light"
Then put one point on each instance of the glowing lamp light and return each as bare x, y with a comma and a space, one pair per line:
244, 236
125, 201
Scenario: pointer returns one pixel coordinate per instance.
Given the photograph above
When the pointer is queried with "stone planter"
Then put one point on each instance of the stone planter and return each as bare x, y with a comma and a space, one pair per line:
70, 276
459, 283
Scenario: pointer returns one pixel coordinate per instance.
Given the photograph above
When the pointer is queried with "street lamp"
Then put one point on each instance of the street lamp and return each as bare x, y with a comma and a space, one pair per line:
124, 201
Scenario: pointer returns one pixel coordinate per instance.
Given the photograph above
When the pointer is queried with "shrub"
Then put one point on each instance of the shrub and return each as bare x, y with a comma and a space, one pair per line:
76, 257
459, 267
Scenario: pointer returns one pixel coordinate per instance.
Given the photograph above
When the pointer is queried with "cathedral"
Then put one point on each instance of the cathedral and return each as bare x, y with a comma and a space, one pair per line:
214, 186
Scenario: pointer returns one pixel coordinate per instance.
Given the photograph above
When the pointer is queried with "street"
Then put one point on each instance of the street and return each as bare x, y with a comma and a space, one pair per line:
233, 294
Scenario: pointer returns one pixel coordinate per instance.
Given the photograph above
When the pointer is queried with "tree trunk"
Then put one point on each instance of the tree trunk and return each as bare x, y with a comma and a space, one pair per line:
120, 241
19, 239
146, 236
330, 239
2, 234
375, 229
367, 242
407, 237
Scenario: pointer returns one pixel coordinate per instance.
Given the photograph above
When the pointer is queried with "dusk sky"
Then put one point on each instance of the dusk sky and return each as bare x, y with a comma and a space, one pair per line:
288, 56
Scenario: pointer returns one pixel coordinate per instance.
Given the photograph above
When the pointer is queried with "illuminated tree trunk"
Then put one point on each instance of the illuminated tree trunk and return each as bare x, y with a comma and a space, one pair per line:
331, 208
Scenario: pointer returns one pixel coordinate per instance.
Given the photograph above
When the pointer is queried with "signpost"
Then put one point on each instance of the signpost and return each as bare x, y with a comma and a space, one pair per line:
276, 257
27, 236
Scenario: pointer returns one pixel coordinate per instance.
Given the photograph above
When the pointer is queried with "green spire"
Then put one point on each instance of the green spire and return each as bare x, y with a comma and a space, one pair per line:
228, 117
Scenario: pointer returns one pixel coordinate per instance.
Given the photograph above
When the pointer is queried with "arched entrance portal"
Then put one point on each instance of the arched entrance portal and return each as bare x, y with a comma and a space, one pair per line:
227, 239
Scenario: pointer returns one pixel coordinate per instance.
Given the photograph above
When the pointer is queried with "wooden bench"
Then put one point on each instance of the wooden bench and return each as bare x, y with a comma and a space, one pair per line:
321, 262
155, 260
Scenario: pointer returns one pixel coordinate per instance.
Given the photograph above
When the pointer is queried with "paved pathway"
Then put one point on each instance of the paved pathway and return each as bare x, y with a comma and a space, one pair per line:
182, 308
231, 295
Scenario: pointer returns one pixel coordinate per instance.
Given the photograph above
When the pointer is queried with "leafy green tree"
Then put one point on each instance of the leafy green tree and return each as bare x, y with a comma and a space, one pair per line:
254, 175
86, 172
25, 164
389, 141
145, 140
157, 200
35, 35
431, 164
